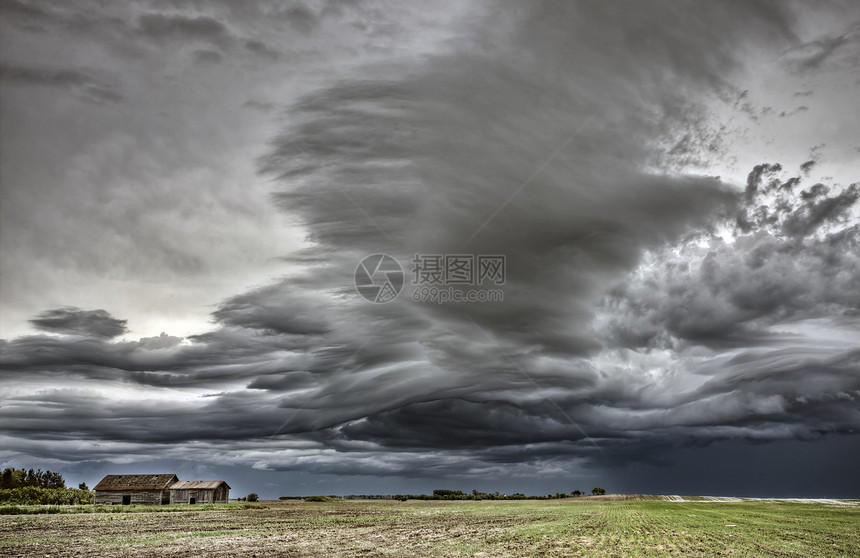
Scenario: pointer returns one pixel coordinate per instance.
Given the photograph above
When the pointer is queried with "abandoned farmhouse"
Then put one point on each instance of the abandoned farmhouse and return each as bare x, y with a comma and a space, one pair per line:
159, 489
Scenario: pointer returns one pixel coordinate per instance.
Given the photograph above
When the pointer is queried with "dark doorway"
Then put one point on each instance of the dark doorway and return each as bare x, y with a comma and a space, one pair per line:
126, 500
192, 501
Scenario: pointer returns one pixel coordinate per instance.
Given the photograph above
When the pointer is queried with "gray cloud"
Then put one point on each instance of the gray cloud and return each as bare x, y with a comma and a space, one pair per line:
807, 219
792, 260
163, 341
415, 165
70, 320
88, 87
798, 110
261, 106
300, 17
811, 55
207, 57
159, 26
25, 13
630, 330
262, 49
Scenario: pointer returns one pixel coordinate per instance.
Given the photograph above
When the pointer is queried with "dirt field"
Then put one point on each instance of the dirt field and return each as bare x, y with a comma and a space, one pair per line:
612, 526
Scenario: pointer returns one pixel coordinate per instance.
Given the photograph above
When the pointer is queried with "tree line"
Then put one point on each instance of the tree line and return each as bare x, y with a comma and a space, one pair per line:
19, 478
22, 487
443, 494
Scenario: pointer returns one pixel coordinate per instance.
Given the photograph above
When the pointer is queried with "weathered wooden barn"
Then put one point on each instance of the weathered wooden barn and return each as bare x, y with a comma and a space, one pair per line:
199, 492
134, 489
159, 489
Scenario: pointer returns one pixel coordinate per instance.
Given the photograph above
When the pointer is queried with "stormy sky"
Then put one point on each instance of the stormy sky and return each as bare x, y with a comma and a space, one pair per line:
189, 187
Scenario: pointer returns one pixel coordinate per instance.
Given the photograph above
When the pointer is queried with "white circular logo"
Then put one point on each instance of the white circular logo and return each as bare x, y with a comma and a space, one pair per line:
379, 278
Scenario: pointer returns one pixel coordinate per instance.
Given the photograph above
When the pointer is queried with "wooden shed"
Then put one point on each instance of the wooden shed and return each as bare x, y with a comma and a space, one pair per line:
199, 492
134, 489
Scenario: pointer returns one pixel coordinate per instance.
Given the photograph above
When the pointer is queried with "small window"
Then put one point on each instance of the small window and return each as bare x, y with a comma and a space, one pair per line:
192, 500
126, 500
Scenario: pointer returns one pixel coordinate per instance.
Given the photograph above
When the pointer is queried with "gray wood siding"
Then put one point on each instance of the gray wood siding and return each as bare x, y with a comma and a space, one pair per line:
146, 497
202, 495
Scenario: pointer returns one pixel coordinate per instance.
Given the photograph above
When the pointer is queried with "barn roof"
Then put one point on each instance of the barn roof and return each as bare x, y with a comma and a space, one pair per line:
136, 482
194, 485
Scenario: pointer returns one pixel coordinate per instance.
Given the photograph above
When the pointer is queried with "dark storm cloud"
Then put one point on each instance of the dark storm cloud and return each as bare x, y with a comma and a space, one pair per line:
89, 87
415, 165
781, 296
628, 325
771, 395
225, 357
811, 216
794, 259
271, 308
74, 321
91, 416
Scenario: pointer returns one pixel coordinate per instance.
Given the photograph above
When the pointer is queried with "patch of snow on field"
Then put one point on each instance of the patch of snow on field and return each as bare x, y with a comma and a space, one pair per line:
828, 501
720, 499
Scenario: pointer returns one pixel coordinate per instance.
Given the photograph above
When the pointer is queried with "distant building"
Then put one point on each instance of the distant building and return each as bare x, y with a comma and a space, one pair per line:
199, 492
134, 489
159, 489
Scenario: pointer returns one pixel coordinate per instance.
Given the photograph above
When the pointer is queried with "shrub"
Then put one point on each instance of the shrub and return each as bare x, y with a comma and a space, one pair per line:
253, 497
30, 495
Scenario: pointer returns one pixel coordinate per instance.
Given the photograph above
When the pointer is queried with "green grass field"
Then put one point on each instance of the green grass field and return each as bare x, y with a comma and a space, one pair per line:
581, 527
